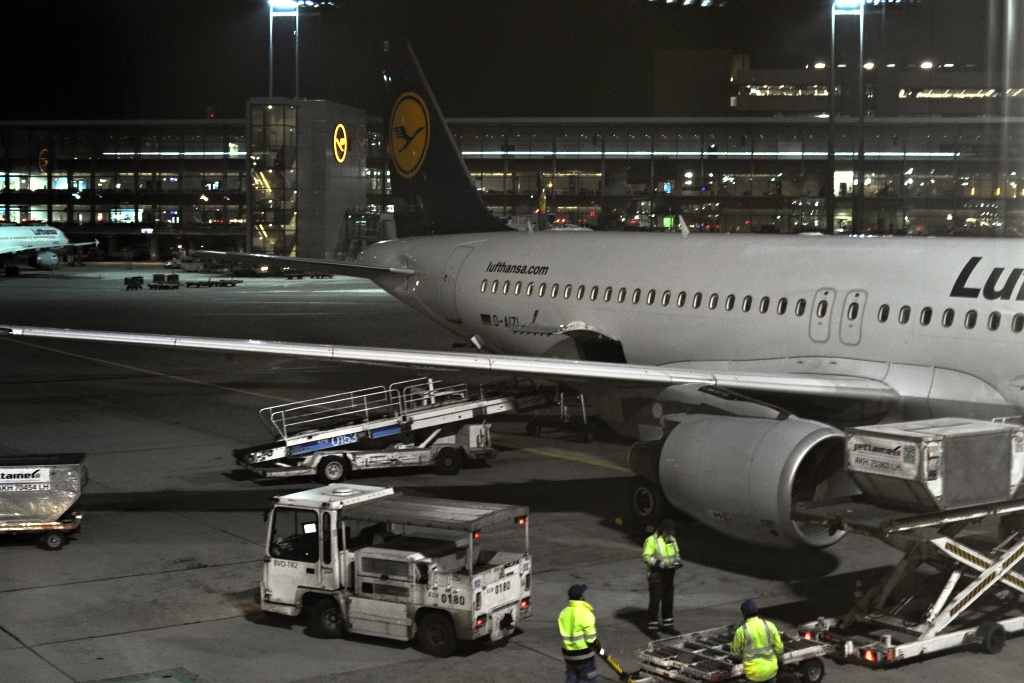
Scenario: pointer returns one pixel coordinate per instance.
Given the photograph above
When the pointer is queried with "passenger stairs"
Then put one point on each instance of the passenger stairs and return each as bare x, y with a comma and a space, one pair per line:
377, 415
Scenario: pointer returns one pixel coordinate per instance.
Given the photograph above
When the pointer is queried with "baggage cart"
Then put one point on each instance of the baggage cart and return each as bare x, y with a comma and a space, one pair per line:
37, 493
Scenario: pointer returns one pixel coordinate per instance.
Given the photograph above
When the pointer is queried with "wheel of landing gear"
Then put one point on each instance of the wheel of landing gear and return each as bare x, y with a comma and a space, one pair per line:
647, 502
332, 470
812, 670
992, 637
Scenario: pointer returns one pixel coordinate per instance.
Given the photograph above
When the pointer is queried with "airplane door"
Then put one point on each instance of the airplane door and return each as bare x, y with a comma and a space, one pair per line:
821, 314
853, 314
451, 276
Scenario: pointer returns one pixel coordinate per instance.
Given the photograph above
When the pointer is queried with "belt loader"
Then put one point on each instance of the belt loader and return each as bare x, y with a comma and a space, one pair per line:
365, 560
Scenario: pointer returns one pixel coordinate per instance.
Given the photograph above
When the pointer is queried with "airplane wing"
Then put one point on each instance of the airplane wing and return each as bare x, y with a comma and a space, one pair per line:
523, 366
316, 265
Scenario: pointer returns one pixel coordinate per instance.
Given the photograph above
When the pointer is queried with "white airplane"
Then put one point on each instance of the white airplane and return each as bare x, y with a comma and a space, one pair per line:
687, 343
39, 245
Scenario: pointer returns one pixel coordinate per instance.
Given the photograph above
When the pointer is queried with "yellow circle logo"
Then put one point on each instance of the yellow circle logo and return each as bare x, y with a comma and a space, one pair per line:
340, 143
409, 134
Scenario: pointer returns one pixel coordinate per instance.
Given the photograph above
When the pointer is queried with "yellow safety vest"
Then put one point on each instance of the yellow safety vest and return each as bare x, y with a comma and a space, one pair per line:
759, 643
578, 628
664, 548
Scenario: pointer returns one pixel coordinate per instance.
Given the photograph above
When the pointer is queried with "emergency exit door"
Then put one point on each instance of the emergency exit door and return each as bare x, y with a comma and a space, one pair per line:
852, 317
449, 292
821, 314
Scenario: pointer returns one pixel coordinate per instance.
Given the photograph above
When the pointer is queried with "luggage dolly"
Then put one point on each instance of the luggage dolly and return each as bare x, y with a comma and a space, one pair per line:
909, 613
52, 535
705, 656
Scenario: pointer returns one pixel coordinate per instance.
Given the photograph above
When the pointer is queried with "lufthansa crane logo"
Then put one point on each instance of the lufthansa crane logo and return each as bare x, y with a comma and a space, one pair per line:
340, 143
409, 134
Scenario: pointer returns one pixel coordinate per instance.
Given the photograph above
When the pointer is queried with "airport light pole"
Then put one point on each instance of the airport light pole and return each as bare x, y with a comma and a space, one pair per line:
283, 8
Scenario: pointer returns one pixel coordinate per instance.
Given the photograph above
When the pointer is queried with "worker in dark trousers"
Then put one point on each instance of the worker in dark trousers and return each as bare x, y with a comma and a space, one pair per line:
760, 645
661, 555
578, 628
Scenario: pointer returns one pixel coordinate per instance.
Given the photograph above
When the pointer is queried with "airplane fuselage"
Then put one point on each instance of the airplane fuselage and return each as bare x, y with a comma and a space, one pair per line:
939, 320
39, 244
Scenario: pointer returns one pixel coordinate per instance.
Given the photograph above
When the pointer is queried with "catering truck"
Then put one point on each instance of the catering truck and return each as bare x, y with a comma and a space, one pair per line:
366, 560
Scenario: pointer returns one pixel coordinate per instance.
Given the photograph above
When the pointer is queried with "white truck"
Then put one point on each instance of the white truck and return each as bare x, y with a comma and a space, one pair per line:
365, 560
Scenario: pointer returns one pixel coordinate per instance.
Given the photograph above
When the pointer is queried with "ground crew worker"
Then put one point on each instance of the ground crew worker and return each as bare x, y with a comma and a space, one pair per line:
661, 555
578, 628
760, 645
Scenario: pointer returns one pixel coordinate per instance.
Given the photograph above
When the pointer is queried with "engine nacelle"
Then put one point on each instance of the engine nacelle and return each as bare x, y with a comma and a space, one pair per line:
44, 260
742, 475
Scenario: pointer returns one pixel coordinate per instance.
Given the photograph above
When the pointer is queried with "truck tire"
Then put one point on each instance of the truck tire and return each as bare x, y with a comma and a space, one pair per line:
812, 670
646, 501
53, 540
435, 634
326, 620
991, 636
448, 461
332, 470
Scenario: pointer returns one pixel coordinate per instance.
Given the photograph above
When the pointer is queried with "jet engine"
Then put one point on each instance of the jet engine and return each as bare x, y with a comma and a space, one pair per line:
741, 475
44, 260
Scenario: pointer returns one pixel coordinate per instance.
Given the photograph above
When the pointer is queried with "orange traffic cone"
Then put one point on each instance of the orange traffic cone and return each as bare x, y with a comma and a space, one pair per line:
858, 591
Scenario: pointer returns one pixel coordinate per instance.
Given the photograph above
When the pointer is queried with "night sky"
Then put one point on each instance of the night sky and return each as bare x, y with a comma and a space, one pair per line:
167, 59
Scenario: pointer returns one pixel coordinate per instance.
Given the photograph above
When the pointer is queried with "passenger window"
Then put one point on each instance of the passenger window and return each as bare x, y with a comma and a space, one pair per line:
747, 300
765, 303
971, 319
636, 295
883, 313
822, 309
904, 315
801, 306
730, 301
483, 286
529, 289
696, 300
593, 292
540, 290
608, 294
947, 317
853, 310
494, 287
568, 292
519, 288
681, 300
666, 297
712, 302
926, 316
1018, 322
622, 295
651, 296
580, 292
554, 291
781, 307
504, 288
994, 319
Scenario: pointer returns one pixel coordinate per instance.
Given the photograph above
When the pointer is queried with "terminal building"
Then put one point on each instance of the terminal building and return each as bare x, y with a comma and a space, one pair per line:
934, 151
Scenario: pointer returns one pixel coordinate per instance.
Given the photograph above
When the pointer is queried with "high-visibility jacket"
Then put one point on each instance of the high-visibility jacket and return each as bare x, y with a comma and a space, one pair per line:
657, 547
759, 643
578, 628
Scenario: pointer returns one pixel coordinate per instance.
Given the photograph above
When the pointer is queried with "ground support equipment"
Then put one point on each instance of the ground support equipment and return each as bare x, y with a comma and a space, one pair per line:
415, 422
210, 282
161, 281
569, 413
134, 282
944, 594
36, 495
705, 656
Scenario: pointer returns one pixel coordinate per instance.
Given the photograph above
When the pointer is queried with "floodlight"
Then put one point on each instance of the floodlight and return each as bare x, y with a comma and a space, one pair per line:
848, 6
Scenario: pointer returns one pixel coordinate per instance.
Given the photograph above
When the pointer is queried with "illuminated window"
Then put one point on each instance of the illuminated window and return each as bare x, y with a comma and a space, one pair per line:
540, 290
494, 287
504, 288
529, 289
554, 291
483, 286
519, 288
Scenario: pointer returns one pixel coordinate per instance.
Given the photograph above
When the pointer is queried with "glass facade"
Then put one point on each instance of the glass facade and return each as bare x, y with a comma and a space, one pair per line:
274, 155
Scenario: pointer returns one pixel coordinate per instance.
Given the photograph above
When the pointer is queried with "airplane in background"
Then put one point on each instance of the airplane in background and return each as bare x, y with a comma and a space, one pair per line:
734, 360
37, 244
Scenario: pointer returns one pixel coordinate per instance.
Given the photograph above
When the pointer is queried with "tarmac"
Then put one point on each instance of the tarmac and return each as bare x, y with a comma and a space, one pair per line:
161, 582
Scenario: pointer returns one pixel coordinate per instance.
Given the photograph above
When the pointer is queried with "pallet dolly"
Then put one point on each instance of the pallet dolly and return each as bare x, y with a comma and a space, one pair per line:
705, 656
971, 597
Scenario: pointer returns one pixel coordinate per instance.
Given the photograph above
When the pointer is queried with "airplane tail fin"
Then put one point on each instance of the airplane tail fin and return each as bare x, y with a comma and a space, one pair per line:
433, 191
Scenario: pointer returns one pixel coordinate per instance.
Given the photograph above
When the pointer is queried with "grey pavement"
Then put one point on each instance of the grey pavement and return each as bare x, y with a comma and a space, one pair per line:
161, 582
